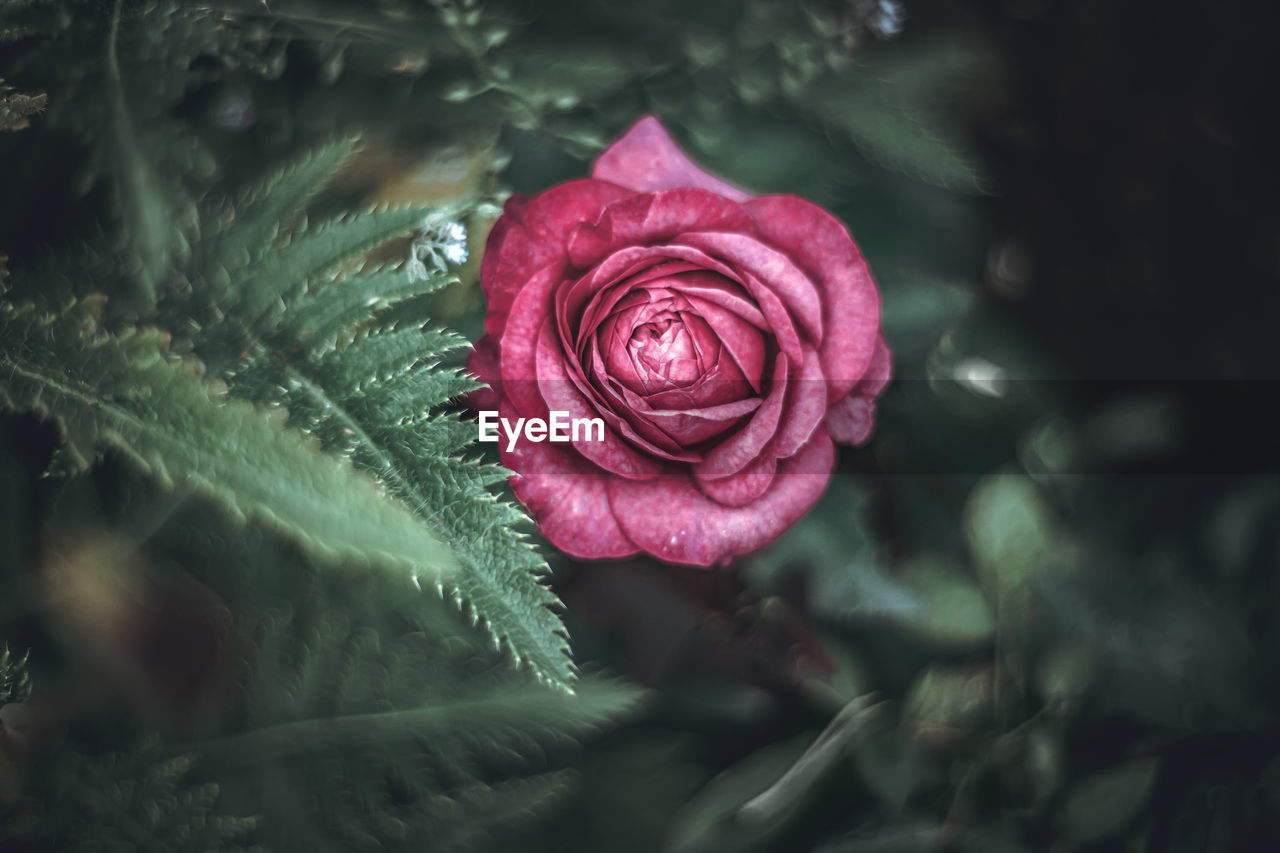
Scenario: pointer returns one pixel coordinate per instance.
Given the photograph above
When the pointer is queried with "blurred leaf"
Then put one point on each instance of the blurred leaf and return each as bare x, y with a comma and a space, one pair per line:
915, 310
772, 809
1066, 673
847, 582
1162, 653
887, 763
135, 799
134, 63
1012, 533
127, 393
560, 77
1103, 804
948, 702
890, 107
953, 611
906, 837
707, 824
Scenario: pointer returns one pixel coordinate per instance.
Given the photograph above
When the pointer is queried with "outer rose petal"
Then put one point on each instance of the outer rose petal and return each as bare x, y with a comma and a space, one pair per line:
654, 218
817, 241
670, 518
512, 212
851, 418
535, 236
647, 159
743, 487
567, 496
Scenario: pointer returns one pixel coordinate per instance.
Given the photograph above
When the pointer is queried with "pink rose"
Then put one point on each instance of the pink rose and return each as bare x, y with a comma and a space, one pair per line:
724, 340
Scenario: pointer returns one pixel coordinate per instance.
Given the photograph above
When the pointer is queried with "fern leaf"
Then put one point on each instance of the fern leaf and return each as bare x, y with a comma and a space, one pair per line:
252, 225
470, 818
135, 799
430, 736
125, 393
504, 715
288, 332
317, 323
312, 252
142, 59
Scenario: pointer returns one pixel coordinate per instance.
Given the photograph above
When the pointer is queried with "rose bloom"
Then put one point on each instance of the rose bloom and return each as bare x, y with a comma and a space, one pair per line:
724, 339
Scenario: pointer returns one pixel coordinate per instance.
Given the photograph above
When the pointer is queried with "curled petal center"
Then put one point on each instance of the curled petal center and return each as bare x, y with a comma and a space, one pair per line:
665, 351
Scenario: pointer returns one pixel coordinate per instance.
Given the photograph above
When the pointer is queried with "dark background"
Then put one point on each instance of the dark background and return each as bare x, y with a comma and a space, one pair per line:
1107, 236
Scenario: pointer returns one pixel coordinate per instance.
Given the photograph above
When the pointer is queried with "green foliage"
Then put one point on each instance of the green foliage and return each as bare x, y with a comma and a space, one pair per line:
16, 108
968, 644
15, 682
124, 392
140, 64
281, 329
271, 320
890, 107
136, 799
848, 583
379, 741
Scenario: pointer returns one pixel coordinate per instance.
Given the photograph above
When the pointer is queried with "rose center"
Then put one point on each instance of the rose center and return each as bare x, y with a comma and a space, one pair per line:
665, 351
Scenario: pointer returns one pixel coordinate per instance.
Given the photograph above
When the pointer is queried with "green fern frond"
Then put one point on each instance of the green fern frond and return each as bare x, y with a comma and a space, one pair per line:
126, 393
120, 104
470, 818
427, 736
285, 330
257, 297
138, 799
317, 323
250, 226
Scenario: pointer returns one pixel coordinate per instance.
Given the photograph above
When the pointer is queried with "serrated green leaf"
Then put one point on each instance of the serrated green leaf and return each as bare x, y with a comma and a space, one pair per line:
125, 393
284, 332
253, 223
412, 734
133, 799
317, 323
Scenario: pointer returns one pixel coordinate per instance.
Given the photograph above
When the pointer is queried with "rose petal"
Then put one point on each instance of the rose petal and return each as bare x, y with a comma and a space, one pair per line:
745, 446
654, 218
568, 497
624, 294
693, 426
672, 519
646, 159
819, 244
537, 236
782, 277
744, 487
512, 214
741, 340
805, 406
561, 394
626, 262
851, 418
518, 347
